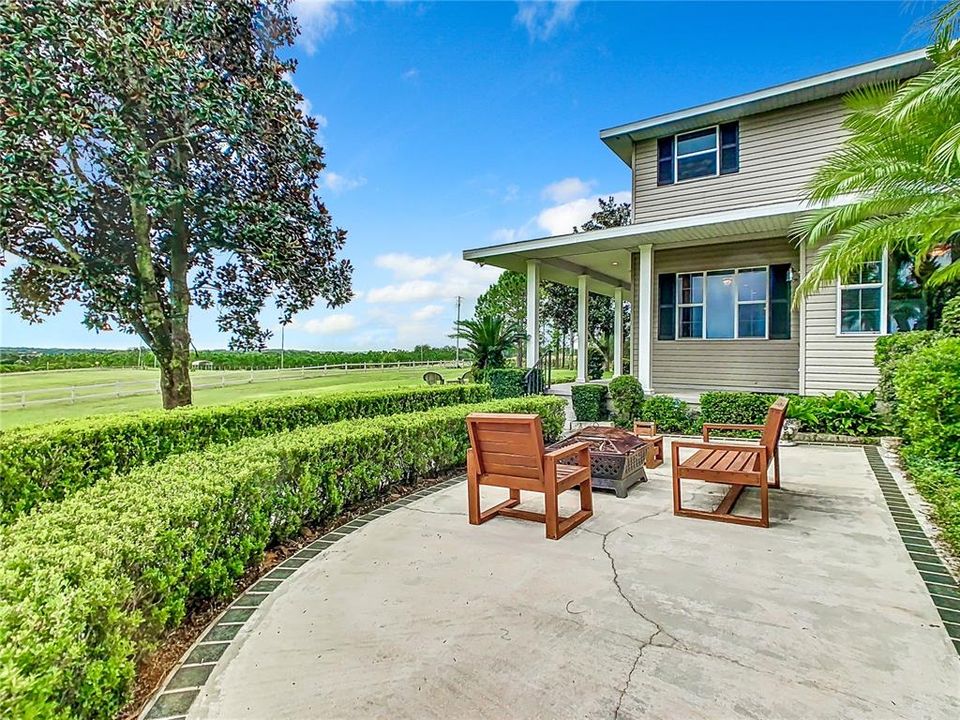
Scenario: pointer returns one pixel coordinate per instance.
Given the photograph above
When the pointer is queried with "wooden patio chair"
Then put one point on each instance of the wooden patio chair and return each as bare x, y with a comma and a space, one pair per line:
433, 378
736, 464
507, 451
466, 378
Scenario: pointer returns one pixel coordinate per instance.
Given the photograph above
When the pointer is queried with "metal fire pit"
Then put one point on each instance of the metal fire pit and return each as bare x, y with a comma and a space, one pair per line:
617, 457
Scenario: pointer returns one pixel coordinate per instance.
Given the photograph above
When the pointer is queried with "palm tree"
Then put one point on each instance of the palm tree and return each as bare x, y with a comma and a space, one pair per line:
488, 338
894, 185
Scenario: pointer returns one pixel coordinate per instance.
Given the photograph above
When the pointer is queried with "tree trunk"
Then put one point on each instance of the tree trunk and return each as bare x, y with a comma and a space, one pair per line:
175, 384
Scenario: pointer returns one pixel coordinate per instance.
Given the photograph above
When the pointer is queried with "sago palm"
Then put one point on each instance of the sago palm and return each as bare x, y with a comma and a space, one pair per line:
894, 184
488, 338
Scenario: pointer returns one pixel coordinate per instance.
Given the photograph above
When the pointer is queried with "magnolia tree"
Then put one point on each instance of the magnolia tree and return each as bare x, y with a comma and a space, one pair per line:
155, 158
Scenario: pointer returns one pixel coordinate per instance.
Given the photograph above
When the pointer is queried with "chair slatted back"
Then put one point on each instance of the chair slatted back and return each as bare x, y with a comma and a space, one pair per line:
507, 444
773, 425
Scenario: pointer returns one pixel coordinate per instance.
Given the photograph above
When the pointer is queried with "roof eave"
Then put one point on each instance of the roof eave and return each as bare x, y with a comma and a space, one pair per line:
621, 138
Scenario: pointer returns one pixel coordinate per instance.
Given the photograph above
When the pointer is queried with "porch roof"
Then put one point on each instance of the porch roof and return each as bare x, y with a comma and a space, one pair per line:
604, 255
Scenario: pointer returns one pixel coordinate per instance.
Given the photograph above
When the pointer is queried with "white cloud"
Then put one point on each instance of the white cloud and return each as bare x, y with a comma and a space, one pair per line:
570, 188
329, 324
442, 277
338, 183
427, 312
410, 74
543, 19
317, 18
557, 219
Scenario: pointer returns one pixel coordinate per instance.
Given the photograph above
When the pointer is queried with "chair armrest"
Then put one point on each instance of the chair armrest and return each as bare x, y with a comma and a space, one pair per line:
707, 427
733, 447
568, 451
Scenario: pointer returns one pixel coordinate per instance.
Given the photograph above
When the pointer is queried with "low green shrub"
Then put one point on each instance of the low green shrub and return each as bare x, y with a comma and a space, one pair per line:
950, 318
843, 413
589, 402
742, 408
939, 482
928, 399
627, 396
506, 382
49, 462
595, 363
670, 414
90, 584
889, 351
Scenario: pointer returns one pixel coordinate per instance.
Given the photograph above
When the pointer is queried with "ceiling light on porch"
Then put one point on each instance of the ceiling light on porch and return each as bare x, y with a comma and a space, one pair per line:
615, 263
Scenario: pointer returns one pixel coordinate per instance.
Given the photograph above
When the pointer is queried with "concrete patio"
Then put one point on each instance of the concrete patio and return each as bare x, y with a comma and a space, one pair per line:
635, 614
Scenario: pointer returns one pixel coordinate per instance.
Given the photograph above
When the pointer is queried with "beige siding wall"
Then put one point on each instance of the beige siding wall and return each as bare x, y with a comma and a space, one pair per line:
690, 367
779, 152
833, 362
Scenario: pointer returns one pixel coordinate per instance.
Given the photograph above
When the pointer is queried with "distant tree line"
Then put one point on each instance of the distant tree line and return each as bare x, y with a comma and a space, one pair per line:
19, 359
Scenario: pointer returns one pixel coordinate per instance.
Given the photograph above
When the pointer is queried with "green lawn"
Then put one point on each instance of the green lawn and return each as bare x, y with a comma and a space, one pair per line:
52, 384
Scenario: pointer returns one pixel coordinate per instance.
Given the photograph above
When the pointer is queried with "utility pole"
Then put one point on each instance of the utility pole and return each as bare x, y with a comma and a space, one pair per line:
282, 326
459, 299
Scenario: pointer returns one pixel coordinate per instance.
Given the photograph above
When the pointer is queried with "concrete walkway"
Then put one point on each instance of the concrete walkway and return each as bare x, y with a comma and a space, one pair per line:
635, 614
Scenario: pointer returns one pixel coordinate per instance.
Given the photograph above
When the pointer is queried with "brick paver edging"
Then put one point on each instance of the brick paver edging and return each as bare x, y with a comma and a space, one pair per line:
182, 687
940, 583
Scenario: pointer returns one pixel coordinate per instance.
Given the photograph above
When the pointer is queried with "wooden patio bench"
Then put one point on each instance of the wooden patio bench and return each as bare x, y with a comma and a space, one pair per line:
739, 465
507, 451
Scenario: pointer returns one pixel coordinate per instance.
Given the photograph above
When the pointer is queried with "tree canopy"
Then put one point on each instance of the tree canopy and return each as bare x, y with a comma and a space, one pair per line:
156, 157
901, 163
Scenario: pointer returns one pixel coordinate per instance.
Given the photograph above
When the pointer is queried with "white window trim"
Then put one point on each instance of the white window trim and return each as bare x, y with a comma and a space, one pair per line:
884, 310
736, 306
676, 155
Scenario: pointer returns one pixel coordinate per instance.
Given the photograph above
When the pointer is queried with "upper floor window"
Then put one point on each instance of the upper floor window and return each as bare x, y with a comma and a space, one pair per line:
707, 152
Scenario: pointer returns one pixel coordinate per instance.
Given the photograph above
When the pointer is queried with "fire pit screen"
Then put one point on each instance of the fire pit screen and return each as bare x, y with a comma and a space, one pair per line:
617, 457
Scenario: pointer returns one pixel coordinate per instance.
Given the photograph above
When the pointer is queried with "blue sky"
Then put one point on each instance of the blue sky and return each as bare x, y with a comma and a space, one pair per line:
452, 125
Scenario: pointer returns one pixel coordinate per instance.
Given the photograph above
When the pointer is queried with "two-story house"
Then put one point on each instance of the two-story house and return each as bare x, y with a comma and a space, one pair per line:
707, 262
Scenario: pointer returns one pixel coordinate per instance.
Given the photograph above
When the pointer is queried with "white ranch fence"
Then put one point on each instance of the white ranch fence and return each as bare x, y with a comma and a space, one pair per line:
71, 394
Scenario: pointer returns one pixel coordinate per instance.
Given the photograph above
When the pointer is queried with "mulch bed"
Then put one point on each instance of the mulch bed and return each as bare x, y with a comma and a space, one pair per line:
155, 666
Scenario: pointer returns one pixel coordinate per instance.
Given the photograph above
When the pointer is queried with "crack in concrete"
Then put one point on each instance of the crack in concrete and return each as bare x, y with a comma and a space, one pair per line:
626, 685
433, 512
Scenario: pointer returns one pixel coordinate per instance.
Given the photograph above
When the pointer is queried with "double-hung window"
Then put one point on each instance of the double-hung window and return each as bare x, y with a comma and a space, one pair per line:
861, 300
707, 152
723, 304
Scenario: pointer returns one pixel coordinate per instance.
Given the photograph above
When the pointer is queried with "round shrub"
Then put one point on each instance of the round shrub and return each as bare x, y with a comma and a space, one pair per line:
627, 395
589, 401
928, 399
890, 350
735, 408
670, 414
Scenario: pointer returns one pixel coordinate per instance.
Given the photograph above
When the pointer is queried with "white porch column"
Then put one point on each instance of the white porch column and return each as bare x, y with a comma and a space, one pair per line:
533, 312
643, 311
583, 308
618, 332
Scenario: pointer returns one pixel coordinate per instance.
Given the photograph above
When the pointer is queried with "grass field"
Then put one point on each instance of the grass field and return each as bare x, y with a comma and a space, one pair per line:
58, 384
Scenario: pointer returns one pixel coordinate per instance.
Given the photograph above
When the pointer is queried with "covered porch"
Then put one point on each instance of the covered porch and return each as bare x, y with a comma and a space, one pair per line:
619, 263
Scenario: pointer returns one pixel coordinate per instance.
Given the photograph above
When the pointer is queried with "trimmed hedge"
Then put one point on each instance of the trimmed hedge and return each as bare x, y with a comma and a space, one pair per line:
49, 462
672, 416
742, 408
627, 396
890, 351
928, 400
589, 402
90, 584
506, 382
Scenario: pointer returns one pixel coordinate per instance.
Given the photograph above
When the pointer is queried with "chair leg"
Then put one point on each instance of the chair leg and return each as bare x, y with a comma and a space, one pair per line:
552, 511
776, 468
764, 496
675, 462
473, 492
586, 495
